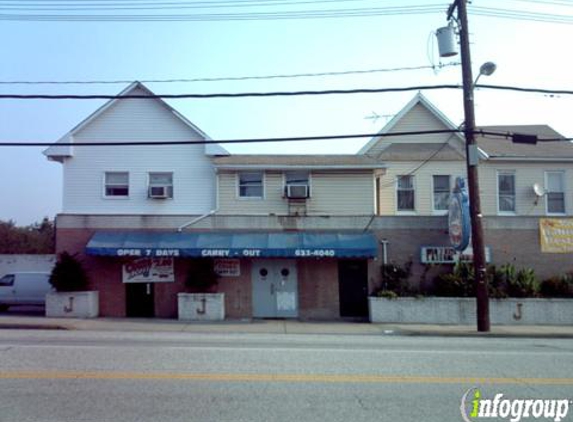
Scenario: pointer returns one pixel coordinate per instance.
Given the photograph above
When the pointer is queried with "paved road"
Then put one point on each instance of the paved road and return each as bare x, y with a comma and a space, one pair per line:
64, 376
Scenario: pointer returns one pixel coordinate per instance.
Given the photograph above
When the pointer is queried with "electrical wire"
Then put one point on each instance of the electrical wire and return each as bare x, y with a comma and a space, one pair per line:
223, 95
226, 141
505, 135
206, 17
275, 93
236, 78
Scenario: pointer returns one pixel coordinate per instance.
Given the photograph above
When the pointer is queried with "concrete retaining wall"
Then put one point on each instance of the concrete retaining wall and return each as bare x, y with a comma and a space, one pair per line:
72, 304
201, 306
462, 311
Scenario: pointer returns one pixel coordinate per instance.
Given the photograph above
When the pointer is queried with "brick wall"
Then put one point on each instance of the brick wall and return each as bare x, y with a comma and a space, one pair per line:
318, 289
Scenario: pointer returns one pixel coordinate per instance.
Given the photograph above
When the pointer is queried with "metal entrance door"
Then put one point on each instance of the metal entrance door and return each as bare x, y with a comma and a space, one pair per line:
353, 287
139, 300
275, 289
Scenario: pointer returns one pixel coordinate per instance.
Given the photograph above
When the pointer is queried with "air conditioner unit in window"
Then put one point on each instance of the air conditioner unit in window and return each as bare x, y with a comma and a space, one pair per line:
297, 191
159, 192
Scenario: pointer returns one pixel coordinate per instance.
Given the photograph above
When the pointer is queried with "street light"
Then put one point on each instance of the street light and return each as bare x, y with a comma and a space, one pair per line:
485, 69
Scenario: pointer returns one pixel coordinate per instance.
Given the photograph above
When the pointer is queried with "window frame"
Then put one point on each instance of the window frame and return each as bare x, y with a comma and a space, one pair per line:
498, 192
397, 193
170, 186
105, 185
238, 183
563, 192
445, 210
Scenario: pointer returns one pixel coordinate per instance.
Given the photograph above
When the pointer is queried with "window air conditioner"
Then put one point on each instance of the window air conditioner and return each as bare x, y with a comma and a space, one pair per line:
158, 192
297, 191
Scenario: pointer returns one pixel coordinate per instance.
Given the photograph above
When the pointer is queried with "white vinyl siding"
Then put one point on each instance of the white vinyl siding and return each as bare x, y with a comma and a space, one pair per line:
506, 199
333, 193
526, 175
555, 196
138, 120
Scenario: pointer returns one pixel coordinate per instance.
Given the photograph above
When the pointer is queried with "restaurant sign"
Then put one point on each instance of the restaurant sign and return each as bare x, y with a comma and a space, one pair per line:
149, 270
448, 255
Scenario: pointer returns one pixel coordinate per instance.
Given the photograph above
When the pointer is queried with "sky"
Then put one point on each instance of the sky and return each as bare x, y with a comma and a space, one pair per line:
528, 53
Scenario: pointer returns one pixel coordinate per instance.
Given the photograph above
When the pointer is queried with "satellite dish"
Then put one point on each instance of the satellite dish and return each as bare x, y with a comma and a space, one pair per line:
538, 190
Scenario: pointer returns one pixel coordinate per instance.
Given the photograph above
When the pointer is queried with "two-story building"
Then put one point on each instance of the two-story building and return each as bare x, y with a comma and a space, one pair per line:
146, 192
521, 185
288, 233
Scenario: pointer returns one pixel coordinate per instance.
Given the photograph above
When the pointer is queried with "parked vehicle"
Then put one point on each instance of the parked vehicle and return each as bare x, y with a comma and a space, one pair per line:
24, 288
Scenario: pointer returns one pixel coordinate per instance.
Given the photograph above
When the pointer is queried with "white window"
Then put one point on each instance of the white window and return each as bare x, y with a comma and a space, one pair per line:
555, 188
160, 185
405, 193
441, 192
506, 192
116, 184
251, 184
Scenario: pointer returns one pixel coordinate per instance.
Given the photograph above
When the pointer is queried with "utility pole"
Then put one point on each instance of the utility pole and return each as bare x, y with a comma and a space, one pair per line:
472, 160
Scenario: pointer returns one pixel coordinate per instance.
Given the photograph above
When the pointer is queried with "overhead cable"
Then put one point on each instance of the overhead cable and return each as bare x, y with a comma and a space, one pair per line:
276, 93
501, 134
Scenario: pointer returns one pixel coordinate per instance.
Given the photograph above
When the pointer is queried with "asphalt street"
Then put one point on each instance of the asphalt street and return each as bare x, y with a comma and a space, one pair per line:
89, 376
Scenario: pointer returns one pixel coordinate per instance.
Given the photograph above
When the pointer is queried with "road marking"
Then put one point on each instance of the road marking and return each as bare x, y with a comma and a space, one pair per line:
297, 378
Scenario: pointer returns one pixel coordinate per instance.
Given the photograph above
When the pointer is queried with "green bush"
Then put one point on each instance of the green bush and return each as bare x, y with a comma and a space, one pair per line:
558, 286
458, 283
503, 282
68, 274
395, 279
201, 276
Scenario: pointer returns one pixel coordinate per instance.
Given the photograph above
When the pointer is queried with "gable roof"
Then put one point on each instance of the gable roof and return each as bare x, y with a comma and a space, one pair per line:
499, 147
419, 98
58, 152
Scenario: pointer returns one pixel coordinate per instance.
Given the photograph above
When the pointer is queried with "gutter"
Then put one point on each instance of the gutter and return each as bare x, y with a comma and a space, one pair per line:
196, 220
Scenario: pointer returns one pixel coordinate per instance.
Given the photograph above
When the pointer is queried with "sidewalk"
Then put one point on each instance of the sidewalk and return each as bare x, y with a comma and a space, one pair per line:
278, 327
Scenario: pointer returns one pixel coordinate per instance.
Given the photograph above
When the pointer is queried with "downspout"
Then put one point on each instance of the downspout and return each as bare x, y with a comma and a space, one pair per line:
196, 220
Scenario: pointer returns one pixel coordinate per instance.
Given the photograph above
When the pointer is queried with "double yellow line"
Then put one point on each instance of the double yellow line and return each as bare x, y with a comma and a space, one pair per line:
285, 378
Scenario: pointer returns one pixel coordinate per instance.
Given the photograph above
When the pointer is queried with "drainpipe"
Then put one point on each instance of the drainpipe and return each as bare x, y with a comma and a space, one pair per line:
196, 220
384, 243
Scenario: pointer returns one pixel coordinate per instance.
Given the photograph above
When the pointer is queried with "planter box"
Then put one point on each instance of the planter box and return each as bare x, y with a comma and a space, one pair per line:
72, 304
462, 311
201, 306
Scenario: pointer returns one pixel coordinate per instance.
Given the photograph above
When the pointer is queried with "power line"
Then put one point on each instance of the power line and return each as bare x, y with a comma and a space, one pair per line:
235, 78
223, 95
227, 141
505, 135
207, 17
274, 93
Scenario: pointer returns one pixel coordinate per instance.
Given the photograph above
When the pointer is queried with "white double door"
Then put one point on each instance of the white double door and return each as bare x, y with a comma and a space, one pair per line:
275, 288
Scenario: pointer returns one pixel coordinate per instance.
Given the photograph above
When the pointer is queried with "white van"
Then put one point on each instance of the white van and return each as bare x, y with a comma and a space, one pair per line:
24, 289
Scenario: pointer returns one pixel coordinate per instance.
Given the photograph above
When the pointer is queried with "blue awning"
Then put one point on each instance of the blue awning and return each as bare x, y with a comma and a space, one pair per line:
234, 244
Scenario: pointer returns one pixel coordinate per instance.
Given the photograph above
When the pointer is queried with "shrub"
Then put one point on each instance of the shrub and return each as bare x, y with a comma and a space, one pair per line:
201, 276
523, 284
68, 274
458, 283
395, 279
557, 286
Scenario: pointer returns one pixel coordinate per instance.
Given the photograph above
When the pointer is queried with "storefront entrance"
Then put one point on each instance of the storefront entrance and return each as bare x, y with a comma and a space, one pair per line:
139, 300
353, 287
275, 290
